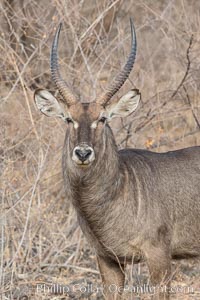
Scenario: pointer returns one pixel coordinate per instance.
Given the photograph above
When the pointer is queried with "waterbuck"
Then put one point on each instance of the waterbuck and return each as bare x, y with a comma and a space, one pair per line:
132, 205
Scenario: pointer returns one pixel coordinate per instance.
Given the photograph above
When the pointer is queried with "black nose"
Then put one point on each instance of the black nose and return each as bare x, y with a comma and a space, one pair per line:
83, 154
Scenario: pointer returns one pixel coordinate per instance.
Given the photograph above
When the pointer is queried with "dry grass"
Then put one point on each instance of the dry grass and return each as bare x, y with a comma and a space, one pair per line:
40, 241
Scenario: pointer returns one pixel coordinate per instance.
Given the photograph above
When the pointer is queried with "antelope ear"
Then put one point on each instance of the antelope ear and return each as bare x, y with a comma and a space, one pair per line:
125, 106
48, 104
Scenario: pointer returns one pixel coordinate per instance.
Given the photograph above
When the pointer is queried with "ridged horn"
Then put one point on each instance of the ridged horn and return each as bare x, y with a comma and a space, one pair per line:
61, 85
120, 79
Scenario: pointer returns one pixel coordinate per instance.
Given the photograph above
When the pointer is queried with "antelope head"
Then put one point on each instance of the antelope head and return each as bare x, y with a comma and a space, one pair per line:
88, 123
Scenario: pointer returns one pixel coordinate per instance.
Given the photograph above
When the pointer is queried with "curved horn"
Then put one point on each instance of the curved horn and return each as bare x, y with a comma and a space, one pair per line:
55, 73
123, 75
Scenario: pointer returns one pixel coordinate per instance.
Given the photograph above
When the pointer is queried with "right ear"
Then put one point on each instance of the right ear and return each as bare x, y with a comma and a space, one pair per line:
48, 104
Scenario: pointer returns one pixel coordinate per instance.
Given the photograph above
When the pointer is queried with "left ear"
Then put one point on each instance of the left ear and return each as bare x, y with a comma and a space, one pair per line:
48, 104
125, 106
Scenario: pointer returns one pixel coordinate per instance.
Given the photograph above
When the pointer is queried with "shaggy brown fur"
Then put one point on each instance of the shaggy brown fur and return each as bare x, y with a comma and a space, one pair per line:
134, 204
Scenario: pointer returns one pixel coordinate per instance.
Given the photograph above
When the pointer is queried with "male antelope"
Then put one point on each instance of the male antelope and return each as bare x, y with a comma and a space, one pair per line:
131, 204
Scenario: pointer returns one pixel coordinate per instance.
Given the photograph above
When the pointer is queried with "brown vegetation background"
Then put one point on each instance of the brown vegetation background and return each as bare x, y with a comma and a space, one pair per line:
40, 241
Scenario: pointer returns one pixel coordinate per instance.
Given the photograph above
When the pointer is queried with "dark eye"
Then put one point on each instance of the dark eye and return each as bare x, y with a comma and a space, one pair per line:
68, 120
102, 119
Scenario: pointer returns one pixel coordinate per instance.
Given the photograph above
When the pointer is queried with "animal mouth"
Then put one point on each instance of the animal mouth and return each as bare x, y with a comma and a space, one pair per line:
83, 164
